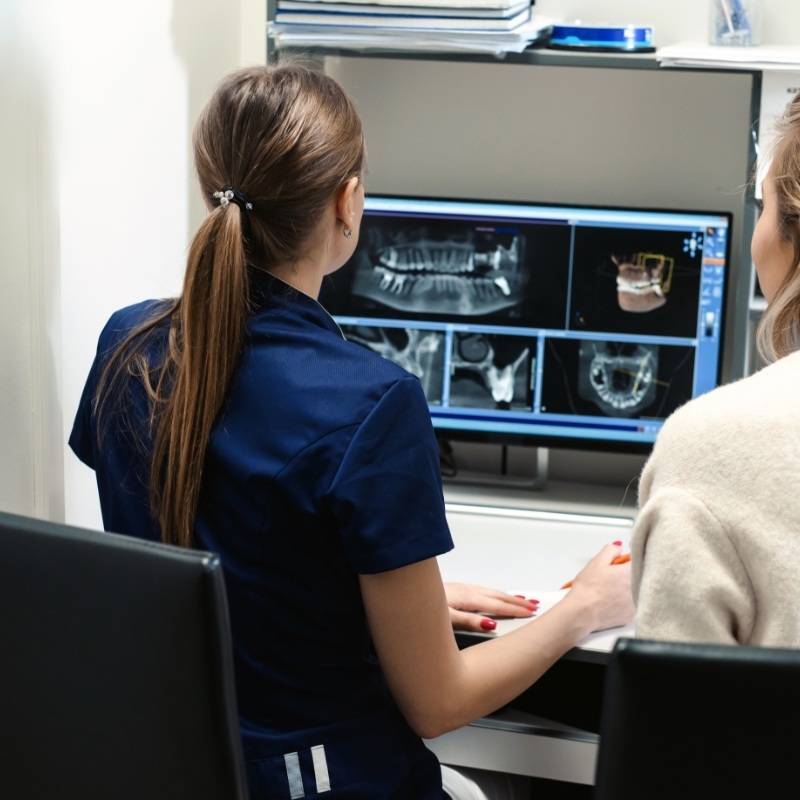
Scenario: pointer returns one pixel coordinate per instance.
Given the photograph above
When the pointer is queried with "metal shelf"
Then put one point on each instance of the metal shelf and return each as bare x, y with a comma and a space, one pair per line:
537, 56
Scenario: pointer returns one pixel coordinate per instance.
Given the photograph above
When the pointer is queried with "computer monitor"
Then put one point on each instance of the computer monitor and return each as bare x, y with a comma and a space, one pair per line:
530, 323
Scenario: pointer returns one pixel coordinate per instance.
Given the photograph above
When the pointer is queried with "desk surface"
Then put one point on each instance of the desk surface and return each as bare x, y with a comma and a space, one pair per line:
532, 552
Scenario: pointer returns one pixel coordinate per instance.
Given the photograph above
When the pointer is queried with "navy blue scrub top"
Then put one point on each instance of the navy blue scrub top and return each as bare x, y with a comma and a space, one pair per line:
322, 465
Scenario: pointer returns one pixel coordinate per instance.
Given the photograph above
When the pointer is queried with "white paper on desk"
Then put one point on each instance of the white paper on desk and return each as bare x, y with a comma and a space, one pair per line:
763, 57
602, 640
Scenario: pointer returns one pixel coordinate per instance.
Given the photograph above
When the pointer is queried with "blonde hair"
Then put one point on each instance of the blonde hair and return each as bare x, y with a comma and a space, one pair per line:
287, 138
779, 330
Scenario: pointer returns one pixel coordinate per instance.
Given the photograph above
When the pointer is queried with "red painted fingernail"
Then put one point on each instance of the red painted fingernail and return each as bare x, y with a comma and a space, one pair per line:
531, 600
618, 544
488, 624
532, 608
521, 596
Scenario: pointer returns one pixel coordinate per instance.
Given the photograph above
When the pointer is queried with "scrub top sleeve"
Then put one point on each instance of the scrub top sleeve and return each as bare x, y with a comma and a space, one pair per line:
387, 493
82, 436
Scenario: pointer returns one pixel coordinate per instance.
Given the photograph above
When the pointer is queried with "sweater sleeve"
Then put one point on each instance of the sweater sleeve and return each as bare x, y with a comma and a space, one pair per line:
689, 583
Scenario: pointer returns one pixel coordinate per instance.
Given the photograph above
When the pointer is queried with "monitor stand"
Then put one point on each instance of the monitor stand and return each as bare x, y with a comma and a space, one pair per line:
533, 477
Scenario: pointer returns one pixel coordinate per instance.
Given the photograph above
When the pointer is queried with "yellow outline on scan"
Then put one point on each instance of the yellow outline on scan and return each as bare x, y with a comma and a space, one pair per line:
643, 258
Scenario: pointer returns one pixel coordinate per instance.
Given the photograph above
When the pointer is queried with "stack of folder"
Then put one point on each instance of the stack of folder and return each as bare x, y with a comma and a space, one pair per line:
494, 25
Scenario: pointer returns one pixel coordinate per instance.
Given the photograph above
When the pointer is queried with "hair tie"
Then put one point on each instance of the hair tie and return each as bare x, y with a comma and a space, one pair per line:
230, 195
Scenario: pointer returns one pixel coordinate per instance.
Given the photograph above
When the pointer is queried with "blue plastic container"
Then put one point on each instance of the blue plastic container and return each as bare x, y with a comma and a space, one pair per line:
600, 38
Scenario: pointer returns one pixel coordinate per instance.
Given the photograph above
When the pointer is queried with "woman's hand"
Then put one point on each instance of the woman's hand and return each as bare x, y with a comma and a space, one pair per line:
468, 603
605, 589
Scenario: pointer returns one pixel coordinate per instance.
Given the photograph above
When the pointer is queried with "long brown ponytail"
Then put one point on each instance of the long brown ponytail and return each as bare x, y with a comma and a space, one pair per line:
287, 138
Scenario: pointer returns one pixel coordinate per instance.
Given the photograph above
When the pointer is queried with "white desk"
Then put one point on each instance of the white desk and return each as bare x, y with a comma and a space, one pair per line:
525, 549
533, 551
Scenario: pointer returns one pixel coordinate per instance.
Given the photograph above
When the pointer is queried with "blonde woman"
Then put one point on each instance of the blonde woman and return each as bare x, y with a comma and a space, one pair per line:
716, 547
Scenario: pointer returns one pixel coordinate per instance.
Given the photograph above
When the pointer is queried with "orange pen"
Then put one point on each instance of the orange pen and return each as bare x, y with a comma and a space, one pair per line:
623, 559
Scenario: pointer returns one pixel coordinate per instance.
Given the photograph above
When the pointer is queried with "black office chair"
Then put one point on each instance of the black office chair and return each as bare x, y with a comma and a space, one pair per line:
684, 721
115, 669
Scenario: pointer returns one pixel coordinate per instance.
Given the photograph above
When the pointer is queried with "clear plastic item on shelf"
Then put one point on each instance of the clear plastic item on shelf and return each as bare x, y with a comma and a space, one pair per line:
735, 23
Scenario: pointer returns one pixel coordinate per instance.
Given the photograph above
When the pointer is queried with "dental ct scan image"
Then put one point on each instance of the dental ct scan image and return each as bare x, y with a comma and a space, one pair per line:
616, 379
492, 371
454, 270
419, 352
636, 281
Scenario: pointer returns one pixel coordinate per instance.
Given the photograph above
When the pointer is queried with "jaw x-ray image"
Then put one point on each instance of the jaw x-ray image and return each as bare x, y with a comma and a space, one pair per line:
621, 379
440, 268
420, 352
491, 371
464, 271
616, 379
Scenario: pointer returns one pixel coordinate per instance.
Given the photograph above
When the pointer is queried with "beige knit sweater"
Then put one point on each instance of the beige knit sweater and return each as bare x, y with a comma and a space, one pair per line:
716, 545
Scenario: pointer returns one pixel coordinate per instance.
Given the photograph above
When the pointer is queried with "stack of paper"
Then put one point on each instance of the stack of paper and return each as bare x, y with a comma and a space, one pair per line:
451, 25
764, 57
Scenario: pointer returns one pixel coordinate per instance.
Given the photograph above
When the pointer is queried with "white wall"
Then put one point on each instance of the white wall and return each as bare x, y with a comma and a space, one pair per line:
17, 293
134, 78
98, 202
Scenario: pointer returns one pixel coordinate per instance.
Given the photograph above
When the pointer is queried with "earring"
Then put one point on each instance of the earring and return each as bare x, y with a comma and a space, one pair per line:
348, 232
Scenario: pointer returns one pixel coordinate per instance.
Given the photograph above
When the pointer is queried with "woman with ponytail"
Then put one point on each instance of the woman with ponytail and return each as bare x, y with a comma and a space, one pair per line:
237, 419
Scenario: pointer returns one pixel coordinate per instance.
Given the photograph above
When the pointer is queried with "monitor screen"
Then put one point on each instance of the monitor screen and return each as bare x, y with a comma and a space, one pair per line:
540, 324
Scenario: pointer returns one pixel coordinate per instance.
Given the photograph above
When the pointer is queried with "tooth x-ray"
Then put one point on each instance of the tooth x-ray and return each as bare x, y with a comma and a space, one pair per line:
441, 268
615, 379
619, 378
491, 371
419, 352
454, 269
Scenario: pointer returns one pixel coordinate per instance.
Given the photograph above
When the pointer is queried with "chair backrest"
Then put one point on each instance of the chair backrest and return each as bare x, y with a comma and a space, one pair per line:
698, 721
115, 667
